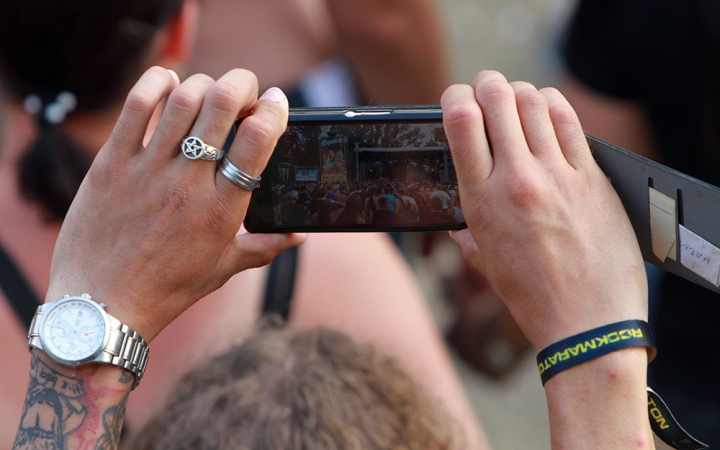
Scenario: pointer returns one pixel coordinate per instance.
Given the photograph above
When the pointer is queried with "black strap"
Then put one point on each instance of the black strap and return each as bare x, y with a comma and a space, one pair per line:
668, 429
591, 344
281, 284
17, 289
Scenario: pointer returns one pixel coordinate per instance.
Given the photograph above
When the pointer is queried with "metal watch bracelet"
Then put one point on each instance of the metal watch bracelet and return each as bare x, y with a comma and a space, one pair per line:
125, 347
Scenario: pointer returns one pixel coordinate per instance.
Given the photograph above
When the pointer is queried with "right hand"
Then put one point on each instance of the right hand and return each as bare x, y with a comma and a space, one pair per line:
150, 231
545, 225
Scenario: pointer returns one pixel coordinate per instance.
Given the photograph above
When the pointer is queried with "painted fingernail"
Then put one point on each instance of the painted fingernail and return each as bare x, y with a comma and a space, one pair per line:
274, 95
174, 75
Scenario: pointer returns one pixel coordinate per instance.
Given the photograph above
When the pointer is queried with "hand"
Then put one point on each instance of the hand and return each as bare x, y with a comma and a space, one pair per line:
151, 231
545, 225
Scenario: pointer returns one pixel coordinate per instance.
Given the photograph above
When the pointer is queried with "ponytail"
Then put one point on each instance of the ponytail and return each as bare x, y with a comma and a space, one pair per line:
51, 172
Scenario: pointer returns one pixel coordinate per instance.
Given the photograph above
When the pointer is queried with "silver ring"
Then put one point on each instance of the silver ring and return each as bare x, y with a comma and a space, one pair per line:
237, 176
194, 148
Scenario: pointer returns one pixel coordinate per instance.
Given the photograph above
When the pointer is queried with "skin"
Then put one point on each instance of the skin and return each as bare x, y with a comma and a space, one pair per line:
381, 40
559, 236
146, 245
227, 315
549, 232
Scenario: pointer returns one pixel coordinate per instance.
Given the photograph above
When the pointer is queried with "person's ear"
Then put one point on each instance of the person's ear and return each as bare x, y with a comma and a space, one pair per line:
177, 39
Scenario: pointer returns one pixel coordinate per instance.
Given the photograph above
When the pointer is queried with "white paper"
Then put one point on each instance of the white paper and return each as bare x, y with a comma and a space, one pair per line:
699, 255
663, 225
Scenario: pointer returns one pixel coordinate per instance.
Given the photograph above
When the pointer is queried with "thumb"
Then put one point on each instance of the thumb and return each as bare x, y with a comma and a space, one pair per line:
249, 250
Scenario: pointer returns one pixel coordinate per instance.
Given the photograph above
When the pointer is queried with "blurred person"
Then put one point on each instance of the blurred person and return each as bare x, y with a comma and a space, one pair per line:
95, 52
384, 216
455, 209
644, 75
285, 388
329, 53
292, 213
352, 213
436, 214
325, 214
371, 203
540, 174
387, 192
440, 193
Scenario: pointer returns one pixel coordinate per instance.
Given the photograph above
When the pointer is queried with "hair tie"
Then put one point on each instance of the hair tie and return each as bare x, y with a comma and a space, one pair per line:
53, 113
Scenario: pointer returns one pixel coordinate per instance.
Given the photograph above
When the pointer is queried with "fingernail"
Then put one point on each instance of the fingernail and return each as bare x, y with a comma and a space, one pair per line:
274, 95
174, 75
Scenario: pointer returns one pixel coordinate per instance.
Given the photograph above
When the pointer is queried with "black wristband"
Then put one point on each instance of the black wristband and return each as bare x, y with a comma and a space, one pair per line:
586, 346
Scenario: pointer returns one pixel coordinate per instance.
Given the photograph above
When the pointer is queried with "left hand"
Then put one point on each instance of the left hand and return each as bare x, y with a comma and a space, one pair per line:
544, 223
151, 231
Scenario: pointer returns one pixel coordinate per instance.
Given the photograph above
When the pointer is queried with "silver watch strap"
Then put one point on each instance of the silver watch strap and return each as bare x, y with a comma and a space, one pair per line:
125, 347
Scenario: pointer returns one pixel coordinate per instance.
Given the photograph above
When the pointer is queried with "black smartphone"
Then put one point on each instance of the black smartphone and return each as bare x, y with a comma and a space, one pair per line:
359, 169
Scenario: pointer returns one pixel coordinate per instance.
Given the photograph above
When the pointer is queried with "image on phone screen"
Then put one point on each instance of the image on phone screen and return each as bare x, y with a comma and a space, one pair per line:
359, 176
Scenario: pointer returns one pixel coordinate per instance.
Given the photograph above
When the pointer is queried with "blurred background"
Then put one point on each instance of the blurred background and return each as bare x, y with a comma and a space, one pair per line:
519, 39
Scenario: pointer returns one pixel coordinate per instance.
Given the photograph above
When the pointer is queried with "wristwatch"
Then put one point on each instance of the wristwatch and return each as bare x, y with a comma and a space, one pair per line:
75, 330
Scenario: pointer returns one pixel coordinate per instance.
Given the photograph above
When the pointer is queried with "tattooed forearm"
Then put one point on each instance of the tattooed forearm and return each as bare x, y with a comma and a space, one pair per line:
112, 424
61, 412
53, 408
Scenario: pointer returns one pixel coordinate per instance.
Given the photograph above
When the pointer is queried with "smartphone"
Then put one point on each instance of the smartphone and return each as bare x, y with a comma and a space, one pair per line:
359, 169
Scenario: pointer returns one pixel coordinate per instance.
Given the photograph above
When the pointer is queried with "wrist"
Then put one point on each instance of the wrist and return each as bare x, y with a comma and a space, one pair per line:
77, 331
118, 380
603, 400
591, 344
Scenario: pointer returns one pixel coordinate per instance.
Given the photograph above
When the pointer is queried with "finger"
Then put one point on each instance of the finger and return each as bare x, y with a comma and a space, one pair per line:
502, 122
535, 119
569, 132
469, 248
153, 86
255, 140
257, 250
181, 110
463, 122
226, 99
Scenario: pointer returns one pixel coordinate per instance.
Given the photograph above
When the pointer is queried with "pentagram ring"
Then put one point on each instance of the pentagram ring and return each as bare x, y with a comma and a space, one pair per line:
237, 176
194, 148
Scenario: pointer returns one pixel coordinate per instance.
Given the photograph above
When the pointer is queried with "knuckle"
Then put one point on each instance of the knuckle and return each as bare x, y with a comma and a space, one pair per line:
522, 191
463, 116
259, 132
563, 115
495, 91
530, 98
224, 97
185, 99
139, 100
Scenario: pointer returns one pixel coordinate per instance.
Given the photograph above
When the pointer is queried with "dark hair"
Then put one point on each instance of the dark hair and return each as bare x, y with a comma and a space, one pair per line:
289, 389
436, 204
93, 49
324, 212
352, 214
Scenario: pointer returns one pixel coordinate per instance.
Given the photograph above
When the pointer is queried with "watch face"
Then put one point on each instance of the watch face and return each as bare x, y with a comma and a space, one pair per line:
74, 331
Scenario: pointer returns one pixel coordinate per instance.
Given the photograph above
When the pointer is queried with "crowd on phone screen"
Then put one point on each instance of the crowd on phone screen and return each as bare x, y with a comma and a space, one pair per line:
376, 203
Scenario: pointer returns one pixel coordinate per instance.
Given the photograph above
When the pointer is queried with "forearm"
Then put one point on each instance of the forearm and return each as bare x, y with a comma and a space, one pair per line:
601, 404
73, 408
396, 49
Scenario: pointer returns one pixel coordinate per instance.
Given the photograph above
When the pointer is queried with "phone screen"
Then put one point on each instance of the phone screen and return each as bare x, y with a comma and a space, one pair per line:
370, 175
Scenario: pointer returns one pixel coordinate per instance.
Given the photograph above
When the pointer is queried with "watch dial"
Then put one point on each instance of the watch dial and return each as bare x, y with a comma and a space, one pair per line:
73, 331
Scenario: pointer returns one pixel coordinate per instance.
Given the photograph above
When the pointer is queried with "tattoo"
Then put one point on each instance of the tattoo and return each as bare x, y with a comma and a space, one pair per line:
53, 408
58, 405
112, 420
126, 377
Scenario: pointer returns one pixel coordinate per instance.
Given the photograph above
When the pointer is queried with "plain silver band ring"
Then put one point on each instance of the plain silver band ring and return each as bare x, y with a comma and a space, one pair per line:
194, 148
237, 176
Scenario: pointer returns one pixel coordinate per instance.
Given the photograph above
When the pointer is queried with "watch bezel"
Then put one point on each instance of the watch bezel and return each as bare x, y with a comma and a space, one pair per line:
75, 362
